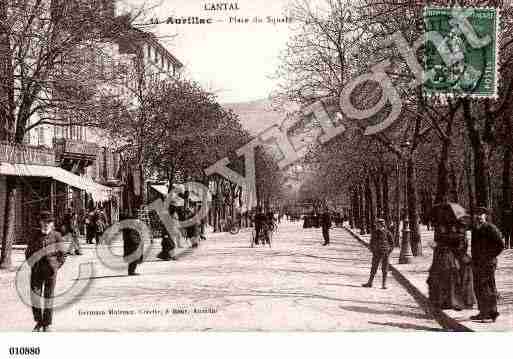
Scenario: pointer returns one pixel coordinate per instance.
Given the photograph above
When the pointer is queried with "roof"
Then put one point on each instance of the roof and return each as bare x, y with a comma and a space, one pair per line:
99, 192
151, 38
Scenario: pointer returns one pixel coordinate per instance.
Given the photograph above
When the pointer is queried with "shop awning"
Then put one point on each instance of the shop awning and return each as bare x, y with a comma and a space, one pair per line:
99, 192
160, 188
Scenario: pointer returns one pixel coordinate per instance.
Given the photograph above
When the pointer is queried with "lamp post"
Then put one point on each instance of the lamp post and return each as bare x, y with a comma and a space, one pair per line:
405, 255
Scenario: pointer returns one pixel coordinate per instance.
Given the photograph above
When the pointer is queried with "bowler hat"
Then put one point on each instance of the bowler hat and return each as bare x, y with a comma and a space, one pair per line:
380, 220
481, 210
46, 216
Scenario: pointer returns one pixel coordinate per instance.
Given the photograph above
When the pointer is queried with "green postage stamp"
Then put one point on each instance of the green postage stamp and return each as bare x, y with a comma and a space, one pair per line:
461, 53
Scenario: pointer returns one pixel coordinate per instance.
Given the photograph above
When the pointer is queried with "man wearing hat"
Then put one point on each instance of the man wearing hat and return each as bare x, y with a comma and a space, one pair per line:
44, 271
381, 245
326, 225
487, 244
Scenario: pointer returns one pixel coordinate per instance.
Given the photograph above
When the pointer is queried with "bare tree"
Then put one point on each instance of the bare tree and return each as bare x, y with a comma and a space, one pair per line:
43, 72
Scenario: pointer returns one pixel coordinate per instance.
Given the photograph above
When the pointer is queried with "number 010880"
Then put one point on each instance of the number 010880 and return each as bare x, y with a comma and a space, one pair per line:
24, 350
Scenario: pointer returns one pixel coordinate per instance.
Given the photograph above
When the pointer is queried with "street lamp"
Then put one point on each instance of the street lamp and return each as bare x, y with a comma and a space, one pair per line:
405, 255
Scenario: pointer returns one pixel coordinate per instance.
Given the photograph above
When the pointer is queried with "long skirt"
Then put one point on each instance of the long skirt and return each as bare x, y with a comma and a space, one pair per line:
450, 281
467, 285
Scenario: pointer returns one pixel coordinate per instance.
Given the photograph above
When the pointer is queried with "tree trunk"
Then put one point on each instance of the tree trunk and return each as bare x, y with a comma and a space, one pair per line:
442, 190
361, 207
454, 186
356, 214
357, 207
468, 175
216, 215
369, 206
7, 133
507, 196
426, 207
413, 212
481, 174
384, 198
379, 198
480, 151
397, 219
8, 235
353, 208
7, 106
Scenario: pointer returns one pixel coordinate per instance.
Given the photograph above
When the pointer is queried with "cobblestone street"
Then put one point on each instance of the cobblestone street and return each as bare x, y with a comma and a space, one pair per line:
296, 285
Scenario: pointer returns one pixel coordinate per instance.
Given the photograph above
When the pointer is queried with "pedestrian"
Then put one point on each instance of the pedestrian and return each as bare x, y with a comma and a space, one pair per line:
325, 223
90, 226
260, 225
168, 243
450, 275
100, 220
203, 230
381, 245
44, 271
192, 230
133, 246
74, 230
487, 244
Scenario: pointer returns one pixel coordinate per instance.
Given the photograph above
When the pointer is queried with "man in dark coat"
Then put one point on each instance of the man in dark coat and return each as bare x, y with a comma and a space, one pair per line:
487, 244
132, 246
44, 271
381, 245
260, 224
167, 244
325, 222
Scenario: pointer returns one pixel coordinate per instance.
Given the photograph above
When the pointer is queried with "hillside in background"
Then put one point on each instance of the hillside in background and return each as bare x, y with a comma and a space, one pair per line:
256, 116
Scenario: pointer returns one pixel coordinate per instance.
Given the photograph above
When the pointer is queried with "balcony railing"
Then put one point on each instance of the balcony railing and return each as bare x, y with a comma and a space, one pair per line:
68, 148
14, 153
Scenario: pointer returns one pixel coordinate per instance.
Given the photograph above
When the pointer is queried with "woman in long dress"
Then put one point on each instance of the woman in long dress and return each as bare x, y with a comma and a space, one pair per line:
450, 275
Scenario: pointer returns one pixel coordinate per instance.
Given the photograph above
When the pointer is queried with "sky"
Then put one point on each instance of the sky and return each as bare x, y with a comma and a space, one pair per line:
234, 60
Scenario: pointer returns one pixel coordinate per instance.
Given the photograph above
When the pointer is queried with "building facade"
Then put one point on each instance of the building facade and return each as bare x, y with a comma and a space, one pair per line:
68, 167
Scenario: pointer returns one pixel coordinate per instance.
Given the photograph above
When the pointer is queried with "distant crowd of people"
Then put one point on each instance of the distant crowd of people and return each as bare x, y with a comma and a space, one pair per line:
93, 225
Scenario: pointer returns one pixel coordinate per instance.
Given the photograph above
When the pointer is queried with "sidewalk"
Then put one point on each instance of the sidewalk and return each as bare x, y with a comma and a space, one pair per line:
414, 275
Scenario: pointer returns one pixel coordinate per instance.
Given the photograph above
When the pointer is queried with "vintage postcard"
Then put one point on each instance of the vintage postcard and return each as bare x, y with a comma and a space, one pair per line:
255, 166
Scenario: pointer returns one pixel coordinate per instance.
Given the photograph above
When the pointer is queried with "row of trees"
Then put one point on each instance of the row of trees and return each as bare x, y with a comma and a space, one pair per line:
456, 149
